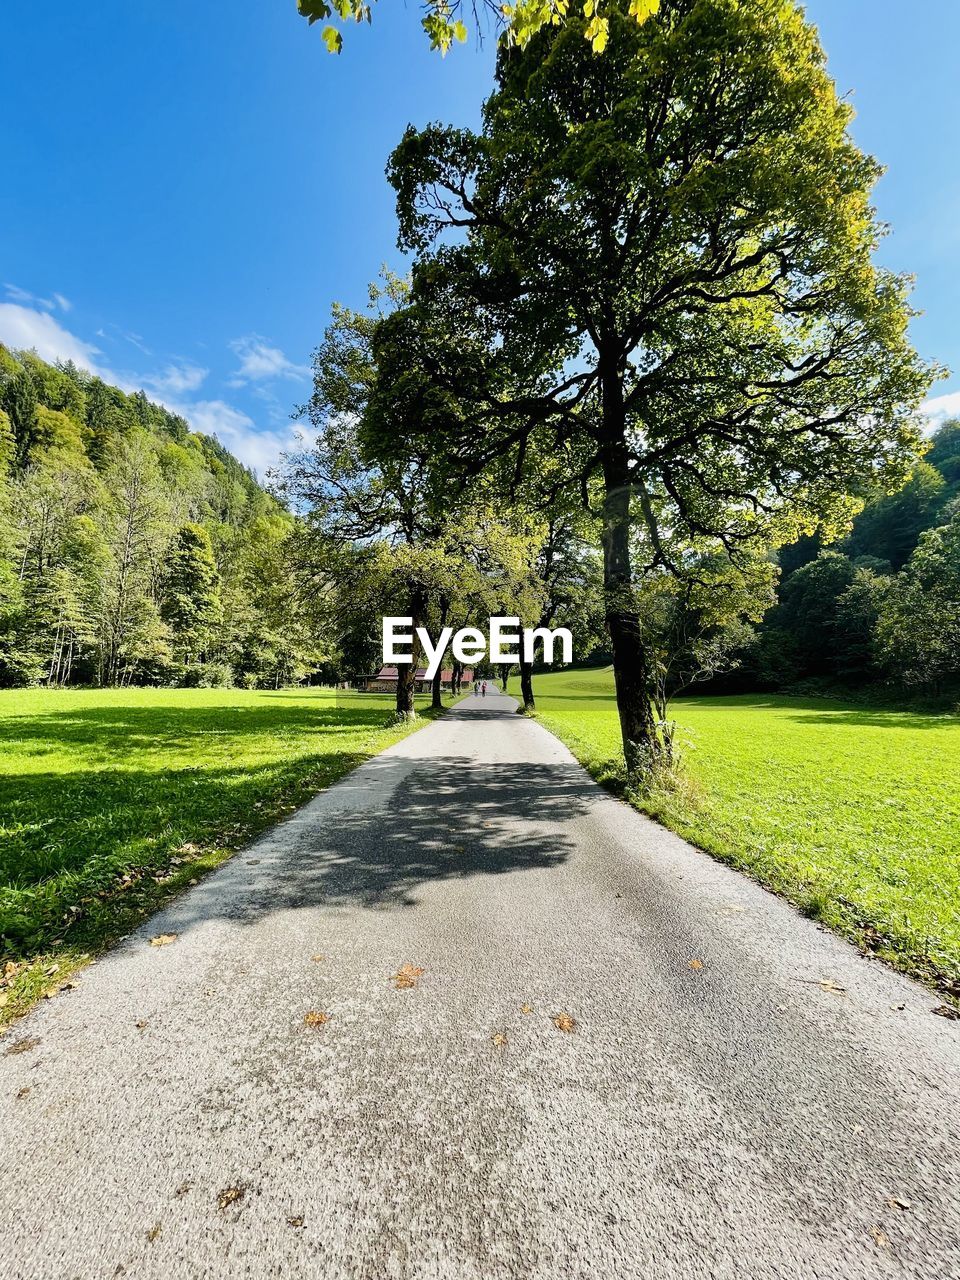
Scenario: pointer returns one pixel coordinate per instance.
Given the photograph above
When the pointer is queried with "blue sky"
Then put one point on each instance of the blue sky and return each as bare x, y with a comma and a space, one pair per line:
186, 187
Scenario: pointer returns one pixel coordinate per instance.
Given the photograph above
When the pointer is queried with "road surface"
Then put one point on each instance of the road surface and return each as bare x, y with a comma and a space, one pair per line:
716, 1107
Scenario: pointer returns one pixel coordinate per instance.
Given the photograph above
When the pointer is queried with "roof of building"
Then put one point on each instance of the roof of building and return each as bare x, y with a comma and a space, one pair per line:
391, 673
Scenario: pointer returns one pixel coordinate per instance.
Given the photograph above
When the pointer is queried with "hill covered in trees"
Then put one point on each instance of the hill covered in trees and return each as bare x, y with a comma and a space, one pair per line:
132, 549
881, 607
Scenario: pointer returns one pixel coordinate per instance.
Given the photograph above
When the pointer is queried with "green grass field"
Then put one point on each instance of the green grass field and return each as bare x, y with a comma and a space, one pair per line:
851, 813
111, 800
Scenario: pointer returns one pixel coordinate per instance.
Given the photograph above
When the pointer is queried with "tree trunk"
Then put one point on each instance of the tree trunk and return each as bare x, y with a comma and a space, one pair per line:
642, 746
506, 675
407, 671
456, 682
436, 701
526, 685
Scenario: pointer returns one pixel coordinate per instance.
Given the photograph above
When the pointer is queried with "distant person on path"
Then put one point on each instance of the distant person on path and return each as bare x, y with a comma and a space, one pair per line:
483, 689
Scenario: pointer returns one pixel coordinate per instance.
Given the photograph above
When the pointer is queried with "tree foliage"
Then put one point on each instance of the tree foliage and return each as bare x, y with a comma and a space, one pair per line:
656, 265
444, 25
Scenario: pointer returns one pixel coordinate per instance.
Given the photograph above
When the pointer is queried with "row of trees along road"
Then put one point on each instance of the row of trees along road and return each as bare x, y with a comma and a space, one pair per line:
645, 289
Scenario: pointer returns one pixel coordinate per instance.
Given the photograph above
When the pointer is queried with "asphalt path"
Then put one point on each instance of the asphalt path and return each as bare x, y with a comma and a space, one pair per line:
619, 1058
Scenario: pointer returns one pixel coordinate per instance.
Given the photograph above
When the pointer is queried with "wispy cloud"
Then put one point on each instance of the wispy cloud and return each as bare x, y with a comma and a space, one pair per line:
260, 361
176, 379
28, 299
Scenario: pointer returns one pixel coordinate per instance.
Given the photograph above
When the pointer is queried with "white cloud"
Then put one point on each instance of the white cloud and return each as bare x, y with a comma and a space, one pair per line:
258, 360
63, 303
176, 378
27, 328
941, 407
237, 432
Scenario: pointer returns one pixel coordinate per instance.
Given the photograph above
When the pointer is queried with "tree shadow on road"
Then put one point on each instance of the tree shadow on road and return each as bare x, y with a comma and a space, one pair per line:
448, 819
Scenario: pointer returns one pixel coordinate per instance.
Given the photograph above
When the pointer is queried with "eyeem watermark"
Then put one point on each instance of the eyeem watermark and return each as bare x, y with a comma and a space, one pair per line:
469, 643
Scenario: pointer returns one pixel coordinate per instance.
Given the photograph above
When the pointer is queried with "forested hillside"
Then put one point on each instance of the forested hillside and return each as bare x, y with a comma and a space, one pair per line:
132, 549
880, 608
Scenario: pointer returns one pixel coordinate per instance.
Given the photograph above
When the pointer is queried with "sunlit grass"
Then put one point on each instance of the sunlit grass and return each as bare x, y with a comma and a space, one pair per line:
110, 800
852, 813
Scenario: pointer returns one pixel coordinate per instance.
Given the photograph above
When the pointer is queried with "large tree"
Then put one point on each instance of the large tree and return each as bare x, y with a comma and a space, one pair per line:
661, 272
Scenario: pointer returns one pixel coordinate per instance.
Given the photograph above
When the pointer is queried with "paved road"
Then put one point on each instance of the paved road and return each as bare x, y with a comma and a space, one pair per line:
730, 1120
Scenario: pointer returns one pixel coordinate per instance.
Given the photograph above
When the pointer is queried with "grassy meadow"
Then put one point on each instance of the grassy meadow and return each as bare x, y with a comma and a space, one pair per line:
850, 812
113, 799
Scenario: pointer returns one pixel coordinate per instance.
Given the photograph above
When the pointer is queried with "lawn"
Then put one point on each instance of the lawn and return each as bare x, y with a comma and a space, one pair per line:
111, 800
851, 813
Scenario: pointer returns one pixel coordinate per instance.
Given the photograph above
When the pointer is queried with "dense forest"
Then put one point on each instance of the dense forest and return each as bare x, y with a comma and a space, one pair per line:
132, 549
879, 610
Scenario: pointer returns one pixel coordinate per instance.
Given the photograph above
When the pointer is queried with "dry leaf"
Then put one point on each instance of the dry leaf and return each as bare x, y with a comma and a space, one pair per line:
315, 1018
318, 959
696, 964
828, 984
187, 848
22, 1046
825, 984
163, 939
296, 1221
154, 1232
526, 1008
896, 1203
563, 1022
230, 1195
499, 1038
142, 1024
183, 1188
881, 1237
947, 1011
22, 1093
406, 976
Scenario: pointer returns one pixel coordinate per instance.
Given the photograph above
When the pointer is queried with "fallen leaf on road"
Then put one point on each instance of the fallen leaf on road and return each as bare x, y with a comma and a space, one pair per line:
296, 1221
696, 964
828, 984
526, 1008
154, 1232
22, 1046
230, 1195
881, 1237
563, 1022
947, 1011
142, 1024
315, 1018
318, 959
406, 976
825, 984
163, 939
896, 1203
183, 1188
499, 1039
22, 1093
